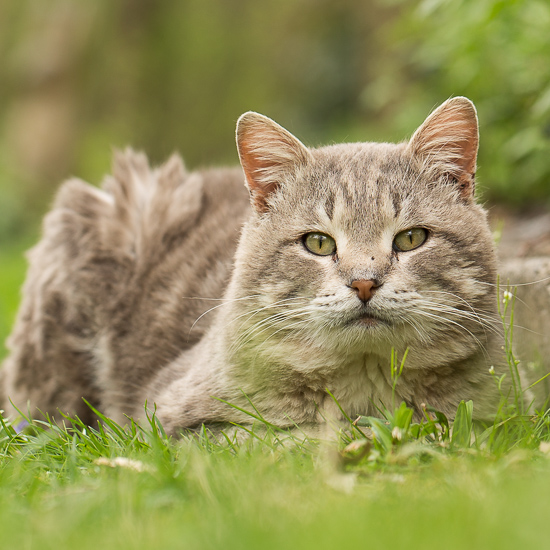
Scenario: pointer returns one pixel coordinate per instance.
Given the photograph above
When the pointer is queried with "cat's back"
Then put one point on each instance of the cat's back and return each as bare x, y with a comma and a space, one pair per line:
166, 236
119, 278
184, 238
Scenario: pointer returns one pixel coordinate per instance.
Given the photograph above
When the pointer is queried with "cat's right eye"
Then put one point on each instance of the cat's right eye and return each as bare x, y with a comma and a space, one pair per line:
320, 244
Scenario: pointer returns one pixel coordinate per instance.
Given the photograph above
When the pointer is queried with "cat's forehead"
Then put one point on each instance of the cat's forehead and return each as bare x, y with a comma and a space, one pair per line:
360, 166
377, 179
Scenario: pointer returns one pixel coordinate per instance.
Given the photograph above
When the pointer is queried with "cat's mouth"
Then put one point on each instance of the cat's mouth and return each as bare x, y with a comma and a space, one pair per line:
368, 321
366, 318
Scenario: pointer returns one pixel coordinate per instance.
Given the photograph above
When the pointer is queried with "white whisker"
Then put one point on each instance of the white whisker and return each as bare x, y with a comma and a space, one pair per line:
267, 323
454, 323
225, 302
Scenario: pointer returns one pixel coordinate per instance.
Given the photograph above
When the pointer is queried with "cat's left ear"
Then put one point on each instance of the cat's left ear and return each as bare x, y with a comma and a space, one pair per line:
267, 152
447, 143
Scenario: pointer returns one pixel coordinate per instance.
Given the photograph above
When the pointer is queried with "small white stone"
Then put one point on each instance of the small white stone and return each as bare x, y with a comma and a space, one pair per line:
123, 462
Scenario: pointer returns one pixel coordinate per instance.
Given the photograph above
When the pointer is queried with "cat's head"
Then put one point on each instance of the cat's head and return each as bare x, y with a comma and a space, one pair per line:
363, 246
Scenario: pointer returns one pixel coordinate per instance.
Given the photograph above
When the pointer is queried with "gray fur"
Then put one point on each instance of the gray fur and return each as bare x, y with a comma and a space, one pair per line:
143, 291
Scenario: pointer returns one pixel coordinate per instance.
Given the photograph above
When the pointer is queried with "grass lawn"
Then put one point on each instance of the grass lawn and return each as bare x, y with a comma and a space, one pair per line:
68, 489
406, 485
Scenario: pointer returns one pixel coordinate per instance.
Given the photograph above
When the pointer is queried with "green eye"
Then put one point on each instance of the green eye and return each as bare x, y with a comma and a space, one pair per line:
320, 244
409, 239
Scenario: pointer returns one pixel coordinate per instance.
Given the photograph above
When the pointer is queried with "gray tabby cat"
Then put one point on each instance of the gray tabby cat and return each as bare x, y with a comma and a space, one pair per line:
144, 290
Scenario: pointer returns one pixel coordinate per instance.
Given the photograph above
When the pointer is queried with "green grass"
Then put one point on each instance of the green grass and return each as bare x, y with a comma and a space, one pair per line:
62, 488
387, 482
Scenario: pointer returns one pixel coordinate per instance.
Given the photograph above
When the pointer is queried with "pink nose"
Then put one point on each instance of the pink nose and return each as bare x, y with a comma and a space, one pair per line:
364, 288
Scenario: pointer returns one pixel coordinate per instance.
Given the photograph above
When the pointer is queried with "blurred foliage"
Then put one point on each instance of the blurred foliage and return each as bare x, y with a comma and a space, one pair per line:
82, 77
12, 269
79, 78
497, 53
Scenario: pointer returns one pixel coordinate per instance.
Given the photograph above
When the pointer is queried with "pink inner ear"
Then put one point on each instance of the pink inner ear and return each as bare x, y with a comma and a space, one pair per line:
267, 152
459, 137
255, 168
448, 142
466, 145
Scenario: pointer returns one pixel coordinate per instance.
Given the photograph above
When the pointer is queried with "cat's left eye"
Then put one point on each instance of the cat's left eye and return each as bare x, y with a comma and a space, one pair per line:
320, 244
410, 239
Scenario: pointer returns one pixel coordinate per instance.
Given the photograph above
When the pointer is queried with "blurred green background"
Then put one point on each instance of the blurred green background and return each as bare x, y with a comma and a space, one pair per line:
78, 78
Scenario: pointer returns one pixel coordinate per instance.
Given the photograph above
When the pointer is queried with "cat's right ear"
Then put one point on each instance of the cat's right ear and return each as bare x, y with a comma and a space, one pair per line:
447, 143
267, 152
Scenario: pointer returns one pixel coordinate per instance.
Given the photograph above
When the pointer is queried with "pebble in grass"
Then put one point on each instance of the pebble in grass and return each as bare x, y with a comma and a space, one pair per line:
122, 462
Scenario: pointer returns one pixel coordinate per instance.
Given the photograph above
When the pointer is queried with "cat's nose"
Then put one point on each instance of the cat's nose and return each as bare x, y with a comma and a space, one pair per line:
364, 288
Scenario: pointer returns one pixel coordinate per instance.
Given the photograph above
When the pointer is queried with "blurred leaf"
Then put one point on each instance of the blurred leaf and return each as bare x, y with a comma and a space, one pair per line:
402, 417
462, 425
496, 53
382, 432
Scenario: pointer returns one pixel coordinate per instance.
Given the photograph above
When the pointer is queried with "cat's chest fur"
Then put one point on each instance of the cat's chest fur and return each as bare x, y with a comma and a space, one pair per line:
357, 383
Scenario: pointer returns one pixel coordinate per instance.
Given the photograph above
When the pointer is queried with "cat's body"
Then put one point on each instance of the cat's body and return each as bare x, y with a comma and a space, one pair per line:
115, 303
